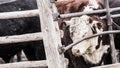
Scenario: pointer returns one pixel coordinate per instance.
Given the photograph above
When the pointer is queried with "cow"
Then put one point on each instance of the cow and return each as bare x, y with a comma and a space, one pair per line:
35, 50
90, 52
74, 6
32, 50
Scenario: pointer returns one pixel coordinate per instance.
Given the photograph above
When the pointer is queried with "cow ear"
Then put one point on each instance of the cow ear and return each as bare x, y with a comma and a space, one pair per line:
101, 3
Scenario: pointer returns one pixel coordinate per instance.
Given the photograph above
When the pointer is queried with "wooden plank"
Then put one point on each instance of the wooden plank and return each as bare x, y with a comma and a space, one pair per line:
21, 38
26, 64
51, 34
19, 14
117, 65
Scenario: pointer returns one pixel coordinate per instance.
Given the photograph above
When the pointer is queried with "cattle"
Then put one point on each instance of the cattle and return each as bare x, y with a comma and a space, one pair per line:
71, 6
90, 52
33, 50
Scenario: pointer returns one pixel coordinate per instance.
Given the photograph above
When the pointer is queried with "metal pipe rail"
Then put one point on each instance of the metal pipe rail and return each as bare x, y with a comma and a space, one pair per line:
83, 13
112, 16
35, 12
63, 49
109, 22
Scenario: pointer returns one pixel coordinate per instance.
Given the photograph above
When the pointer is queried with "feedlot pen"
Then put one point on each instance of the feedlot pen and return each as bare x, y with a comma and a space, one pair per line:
48, 17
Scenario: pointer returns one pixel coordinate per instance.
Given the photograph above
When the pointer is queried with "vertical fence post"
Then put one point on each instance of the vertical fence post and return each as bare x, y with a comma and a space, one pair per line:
51, 35
109, 20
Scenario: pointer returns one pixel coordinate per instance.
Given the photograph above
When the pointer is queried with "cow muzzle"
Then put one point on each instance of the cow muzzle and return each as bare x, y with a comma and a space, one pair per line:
81, 48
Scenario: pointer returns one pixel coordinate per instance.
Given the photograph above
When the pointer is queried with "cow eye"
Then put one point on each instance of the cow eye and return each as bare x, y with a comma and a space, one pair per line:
99, 25
94, 29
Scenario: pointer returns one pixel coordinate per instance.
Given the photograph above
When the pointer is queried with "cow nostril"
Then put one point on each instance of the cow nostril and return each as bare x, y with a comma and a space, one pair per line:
76, 52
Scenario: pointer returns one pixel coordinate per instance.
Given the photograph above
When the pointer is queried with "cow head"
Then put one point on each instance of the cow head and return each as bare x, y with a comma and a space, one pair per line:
92, 49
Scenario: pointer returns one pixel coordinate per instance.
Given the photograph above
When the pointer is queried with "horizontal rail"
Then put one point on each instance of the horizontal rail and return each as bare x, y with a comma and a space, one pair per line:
19, 14
26, 64
116, 65
81, 13
21, 38
85, 38
35, 12
87, 12
6, 1
112, 16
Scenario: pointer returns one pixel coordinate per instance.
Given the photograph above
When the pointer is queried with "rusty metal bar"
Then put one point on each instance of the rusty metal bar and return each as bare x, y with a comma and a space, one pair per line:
112, 44
85, 38
87, 12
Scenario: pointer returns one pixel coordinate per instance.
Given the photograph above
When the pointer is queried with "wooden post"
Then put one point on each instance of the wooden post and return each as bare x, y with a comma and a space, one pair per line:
51, 34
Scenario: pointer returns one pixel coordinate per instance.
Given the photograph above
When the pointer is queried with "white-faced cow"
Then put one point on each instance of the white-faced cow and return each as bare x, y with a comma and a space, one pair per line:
89, 52
72, 33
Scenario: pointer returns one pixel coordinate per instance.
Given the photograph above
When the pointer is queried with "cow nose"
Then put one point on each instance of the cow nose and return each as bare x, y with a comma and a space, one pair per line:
76, 52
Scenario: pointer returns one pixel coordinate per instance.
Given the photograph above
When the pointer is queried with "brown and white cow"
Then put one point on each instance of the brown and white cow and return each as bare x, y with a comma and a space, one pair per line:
75, 28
